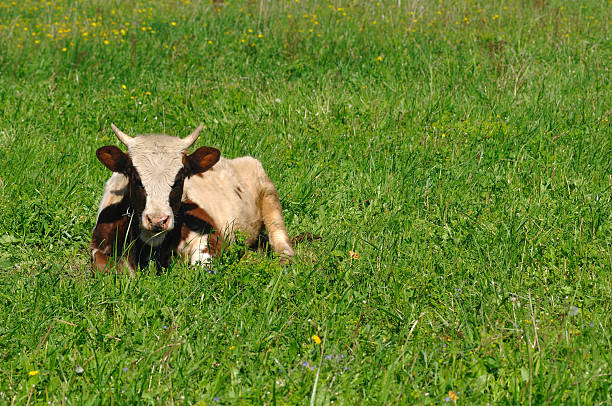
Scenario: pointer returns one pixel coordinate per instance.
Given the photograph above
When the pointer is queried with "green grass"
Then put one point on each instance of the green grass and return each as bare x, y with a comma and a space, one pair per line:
466, 157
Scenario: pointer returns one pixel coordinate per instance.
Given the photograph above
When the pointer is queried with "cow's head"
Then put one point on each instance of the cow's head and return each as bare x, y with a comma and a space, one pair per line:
156, 167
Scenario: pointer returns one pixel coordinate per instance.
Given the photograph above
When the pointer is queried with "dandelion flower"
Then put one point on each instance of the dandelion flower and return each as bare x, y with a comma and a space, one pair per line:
33, 373
316, 339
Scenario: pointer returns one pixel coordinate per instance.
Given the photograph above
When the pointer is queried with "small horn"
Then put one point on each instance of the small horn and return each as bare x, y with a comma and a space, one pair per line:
123, 137
191, 138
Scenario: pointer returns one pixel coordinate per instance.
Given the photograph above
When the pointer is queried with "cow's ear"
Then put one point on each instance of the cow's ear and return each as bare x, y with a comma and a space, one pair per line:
201, 160
113, 158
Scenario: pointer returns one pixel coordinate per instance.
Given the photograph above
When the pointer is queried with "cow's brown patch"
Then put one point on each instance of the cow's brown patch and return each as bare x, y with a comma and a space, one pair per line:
110, 234
198, 220
176, 193
111, 229
215, 244
137, 193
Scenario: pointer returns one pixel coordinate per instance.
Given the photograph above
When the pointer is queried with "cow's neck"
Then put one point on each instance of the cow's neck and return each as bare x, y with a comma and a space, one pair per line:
161, 254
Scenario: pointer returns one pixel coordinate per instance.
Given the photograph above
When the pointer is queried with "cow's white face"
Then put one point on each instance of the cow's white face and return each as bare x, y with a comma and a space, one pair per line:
156, 166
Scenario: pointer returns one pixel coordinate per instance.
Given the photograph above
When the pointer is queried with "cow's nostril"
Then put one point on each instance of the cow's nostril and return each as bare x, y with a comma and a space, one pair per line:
157, 222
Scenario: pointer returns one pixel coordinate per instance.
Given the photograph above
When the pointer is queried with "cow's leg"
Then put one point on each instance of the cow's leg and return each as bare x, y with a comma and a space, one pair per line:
104, 263
199, 242
100, 261
272, 214
194, 247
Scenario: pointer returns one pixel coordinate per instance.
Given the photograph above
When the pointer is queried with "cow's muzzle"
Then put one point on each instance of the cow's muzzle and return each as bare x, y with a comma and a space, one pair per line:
157, 223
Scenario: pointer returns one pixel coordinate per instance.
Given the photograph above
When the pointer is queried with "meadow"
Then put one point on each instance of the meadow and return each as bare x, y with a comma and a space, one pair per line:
454, 156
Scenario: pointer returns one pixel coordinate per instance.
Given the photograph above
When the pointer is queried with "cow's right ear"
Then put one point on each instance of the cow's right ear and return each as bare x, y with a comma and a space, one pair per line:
113, 158
201, 160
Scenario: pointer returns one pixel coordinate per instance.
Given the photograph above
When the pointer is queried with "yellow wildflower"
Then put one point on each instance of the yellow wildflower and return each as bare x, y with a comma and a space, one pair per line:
316, 339
33, 373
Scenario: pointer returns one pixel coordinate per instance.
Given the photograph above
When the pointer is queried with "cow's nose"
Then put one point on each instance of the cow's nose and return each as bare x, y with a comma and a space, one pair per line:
158, 222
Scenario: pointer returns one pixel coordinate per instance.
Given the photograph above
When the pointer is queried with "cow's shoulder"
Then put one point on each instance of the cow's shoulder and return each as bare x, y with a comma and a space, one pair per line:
114, 191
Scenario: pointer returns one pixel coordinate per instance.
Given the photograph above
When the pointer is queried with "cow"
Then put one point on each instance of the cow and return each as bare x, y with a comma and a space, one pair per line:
162, 202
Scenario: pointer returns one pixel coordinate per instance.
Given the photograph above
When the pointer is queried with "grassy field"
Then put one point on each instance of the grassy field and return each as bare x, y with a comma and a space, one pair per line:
455, 156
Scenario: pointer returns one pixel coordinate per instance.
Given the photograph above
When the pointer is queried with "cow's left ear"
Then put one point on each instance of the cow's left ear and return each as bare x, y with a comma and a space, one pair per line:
113, 158
201, 160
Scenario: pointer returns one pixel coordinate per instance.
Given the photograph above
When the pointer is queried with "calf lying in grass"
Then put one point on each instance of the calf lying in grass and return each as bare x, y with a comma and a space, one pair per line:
161, 202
